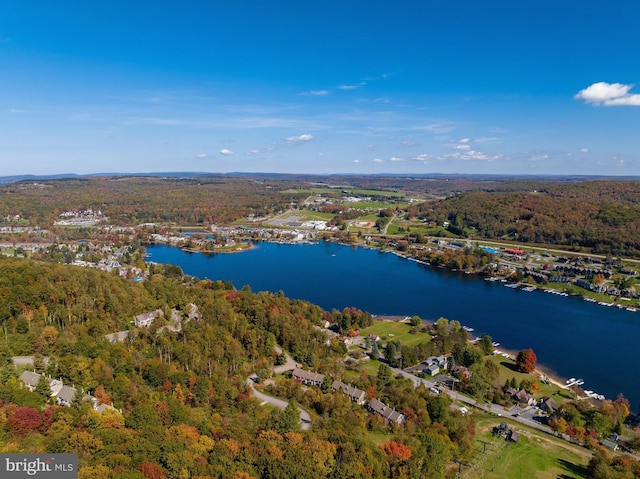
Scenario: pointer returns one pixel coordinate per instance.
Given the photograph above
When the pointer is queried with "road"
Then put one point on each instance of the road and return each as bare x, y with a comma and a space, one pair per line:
522, 415
289, 365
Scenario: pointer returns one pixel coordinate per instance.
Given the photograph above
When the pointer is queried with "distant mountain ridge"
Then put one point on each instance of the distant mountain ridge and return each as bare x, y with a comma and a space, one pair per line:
274, 175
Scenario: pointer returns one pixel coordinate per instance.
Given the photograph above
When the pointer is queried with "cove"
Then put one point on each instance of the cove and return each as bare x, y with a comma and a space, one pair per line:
571, 337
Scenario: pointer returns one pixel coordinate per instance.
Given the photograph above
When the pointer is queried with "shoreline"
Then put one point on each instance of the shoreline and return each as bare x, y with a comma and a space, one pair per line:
541, 370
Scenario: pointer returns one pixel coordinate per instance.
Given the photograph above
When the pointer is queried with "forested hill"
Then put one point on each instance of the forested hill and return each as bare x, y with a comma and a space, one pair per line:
181, 403
603, 216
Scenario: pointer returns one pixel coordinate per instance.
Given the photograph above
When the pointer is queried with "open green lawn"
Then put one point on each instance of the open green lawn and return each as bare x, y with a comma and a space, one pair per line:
394, 330
535, 455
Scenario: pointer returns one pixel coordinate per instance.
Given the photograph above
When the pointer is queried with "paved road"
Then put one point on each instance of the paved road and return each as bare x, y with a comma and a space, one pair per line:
289, 365
525, 415
305, 417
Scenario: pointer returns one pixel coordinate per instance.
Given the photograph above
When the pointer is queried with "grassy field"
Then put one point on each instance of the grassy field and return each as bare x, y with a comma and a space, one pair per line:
535, 455
394, 330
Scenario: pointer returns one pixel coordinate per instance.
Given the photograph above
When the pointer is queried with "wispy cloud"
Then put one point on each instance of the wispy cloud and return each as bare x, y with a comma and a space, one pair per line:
351, 87
609, 94
316, 93
293, 140
424, 157
17, 110
378, 160
226, 152
439, 127
396, 158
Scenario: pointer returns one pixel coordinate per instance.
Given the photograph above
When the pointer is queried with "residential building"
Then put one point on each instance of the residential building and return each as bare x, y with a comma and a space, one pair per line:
356, 395
308, 377
146, 319
389, 414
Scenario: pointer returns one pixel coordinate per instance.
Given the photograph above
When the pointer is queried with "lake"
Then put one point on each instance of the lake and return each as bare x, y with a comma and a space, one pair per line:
571, 337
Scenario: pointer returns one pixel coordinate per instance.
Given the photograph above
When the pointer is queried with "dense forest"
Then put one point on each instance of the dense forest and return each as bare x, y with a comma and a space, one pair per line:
181, 406
135, 200
598, 216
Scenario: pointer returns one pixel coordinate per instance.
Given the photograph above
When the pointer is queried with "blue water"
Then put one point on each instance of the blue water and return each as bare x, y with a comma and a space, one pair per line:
571, 337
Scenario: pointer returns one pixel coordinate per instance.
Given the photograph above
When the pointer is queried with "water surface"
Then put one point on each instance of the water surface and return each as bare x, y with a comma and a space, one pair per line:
571, 337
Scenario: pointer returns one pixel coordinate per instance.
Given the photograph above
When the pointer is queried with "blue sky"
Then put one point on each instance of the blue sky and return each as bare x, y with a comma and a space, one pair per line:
539, 87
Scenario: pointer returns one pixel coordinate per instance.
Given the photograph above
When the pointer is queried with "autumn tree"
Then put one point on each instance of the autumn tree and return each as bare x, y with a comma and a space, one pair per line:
526, 360
151, 470
396, 455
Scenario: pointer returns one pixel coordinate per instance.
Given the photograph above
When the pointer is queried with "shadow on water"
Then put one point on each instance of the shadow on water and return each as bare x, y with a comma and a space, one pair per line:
576, 469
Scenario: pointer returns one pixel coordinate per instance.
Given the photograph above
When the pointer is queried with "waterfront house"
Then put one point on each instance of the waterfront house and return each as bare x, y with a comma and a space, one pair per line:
356, 395
307, 377
522, 397
389, 414
549, 405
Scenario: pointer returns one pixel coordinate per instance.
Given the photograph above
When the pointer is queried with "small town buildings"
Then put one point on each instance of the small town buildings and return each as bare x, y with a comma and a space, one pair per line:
356, 395
389, 414
308, 377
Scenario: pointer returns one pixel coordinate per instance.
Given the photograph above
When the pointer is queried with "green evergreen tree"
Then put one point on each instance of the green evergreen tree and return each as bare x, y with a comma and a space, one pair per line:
43, 389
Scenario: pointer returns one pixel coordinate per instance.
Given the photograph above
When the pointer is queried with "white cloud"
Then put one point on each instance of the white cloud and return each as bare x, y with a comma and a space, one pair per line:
356, 161
464, 151
202, 155
348, 87
316, 93
292, 140
254, 151
396, 158
422, 157
462, 144
226, 151
16, 110
409, 143
378, 160
584, 150
609, 94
